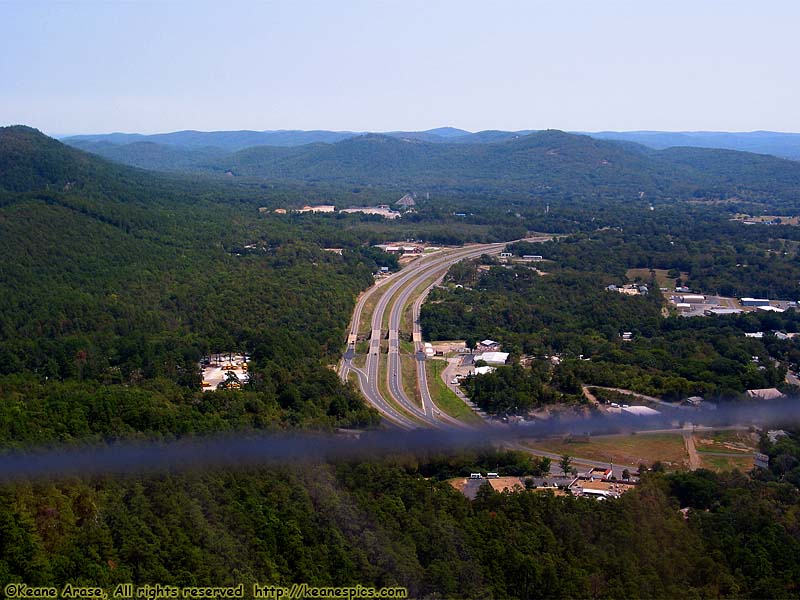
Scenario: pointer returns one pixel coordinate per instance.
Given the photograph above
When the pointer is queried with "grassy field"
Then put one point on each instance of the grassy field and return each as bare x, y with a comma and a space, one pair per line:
365, 322
726, 463
406, 346
626, 449
408, 309
409, 370
726, 441
662, 278
444, 396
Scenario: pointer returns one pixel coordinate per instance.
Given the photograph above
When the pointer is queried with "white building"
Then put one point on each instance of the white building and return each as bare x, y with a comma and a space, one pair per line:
640, 411
765, 394
722, 311
492, 358
770, 309
320, 208
755, 302
484, 370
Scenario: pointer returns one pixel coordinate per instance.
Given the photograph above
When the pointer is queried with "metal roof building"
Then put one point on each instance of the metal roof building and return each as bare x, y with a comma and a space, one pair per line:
492, 358
754, 301
640, 411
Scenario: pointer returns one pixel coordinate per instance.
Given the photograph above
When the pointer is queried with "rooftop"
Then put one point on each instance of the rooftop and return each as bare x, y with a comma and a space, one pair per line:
640, 411
497, 358
765, 394
484, 370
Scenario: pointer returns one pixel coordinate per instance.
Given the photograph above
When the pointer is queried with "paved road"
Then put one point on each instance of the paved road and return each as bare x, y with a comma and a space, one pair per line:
413, 275
402, 411
430, 410
407, 414
419, 348
352, 336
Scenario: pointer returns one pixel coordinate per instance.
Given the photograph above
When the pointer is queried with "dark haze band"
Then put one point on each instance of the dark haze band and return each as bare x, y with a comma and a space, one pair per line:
253, 449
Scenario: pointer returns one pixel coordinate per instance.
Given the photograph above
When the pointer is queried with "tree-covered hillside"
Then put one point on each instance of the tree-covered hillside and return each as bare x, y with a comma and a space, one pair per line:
113, 277
550, 163
783, 145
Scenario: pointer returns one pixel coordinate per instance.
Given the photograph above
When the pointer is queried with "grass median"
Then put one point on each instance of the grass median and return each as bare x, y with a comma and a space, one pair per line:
409, 374
383, 389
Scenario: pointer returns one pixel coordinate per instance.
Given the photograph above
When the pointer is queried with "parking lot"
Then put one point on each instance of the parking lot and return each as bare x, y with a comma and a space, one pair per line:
216, 368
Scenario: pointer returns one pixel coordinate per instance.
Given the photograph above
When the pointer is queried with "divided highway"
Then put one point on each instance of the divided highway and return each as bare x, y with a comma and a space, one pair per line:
396, 291
430, 412
398, 409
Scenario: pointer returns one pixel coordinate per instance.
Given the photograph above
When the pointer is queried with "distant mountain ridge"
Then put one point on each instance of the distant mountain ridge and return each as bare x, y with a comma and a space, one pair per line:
551, 162
783, 145
544, 164
232, 141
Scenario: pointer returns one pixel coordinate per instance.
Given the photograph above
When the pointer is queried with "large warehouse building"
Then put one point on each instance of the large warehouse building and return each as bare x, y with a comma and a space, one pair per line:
755, 302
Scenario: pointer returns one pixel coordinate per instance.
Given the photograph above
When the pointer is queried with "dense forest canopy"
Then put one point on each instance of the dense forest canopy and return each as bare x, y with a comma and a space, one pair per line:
539, 163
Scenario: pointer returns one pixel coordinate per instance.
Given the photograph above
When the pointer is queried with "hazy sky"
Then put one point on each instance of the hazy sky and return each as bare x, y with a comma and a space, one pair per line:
93, 67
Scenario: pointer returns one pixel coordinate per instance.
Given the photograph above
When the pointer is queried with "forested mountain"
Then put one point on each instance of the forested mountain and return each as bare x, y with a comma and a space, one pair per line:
784, 145
113, 276
229, 141
549, 162
31, 161
150, 155
232, 141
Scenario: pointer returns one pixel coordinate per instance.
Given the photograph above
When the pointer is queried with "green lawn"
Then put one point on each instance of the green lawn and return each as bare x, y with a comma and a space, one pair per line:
407, 347
444, 396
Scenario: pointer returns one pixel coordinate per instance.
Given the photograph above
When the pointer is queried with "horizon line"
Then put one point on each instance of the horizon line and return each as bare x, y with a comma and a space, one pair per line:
429, 130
